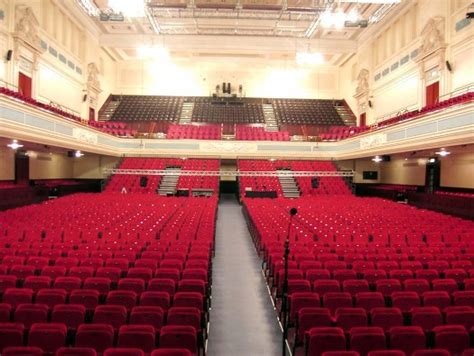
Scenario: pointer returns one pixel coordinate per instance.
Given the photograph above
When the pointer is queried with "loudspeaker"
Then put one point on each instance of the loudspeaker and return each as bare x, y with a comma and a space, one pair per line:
224, 90
386, 158
448, 66
143, 181
240, 88
370, 104
315, 182
9, 55
228, 88
70, 154
84, 98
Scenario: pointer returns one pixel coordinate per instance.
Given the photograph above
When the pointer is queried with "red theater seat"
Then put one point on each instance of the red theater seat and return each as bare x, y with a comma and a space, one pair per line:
96, 336
321, 339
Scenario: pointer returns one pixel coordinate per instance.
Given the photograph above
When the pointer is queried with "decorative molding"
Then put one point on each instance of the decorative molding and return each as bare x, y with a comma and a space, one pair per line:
433, 36
26, 34
362, 90
433, 50
228, 147
93, 82
373, 141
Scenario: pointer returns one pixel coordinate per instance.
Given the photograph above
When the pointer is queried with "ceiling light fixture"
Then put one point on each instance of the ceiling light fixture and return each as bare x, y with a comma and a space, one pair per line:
14, 145
443, 153
128, 8
78, 154
377, 159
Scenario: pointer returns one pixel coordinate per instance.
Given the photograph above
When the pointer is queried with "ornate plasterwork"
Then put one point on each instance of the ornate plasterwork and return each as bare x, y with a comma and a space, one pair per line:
93, 83
228, 147
433, 49
26, 34
432, 36
362, 90
362, 82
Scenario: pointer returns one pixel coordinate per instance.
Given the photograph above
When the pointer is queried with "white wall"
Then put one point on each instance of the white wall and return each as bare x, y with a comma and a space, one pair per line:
197, 76
53, 85
401, 171
457, 170
92, 166
7, 164
54, 166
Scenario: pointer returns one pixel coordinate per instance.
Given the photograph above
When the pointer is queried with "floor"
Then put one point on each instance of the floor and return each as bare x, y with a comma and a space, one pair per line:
243, 322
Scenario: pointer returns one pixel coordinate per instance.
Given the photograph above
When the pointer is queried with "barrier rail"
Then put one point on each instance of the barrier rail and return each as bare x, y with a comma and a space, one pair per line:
154, 172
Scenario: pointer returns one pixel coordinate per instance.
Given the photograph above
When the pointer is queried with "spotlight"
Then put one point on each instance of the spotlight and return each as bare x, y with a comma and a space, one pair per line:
14, 145
470, 12
432, 160
377, 159
78, 154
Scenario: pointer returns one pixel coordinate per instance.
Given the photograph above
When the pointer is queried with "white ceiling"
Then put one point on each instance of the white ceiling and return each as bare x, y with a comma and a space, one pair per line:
275, 29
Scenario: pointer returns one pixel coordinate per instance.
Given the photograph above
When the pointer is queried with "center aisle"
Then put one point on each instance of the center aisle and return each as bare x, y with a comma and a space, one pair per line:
243, 321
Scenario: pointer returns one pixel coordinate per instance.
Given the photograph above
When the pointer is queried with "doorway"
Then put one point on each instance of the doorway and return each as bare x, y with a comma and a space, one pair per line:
432, 94
24, 85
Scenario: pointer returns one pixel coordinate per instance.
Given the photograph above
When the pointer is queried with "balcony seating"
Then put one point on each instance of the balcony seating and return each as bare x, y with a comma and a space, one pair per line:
252, 133
211, 111
147, 108
306, 112
196, 132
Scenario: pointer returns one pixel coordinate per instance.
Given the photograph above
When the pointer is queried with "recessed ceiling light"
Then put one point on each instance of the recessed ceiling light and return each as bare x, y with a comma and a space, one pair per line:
377, 159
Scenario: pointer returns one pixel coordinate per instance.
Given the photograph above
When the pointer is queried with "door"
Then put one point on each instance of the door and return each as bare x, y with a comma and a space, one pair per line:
432, 94
362, 119
24, 85
22, 168
91, 114
433, 170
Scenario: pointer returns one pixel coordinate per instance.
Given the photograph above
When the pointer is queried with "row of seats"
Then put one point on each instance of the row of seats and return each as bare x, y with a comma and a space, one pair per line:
88, 351
207, 111
408, 339
51, 337
252, 133
126, 271
306, 111
362, 272
146, 108
196, 132
132, 183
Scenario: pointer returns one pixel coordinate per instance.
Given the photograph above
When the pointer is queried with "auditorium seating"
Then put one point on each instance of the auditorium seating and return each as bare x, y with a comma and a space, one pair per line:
197, 132
189, 182
147, 108
306, 112
326, 185
115, 128
253, 133
382, 275
208, 110
79, 307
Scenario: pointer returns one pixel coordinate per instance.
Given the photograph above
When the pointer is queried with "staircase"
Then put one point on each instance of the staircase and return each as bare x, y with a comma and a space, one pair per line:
346, 114
288, 184
109, 109
269, 116
169, 182
186, 113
